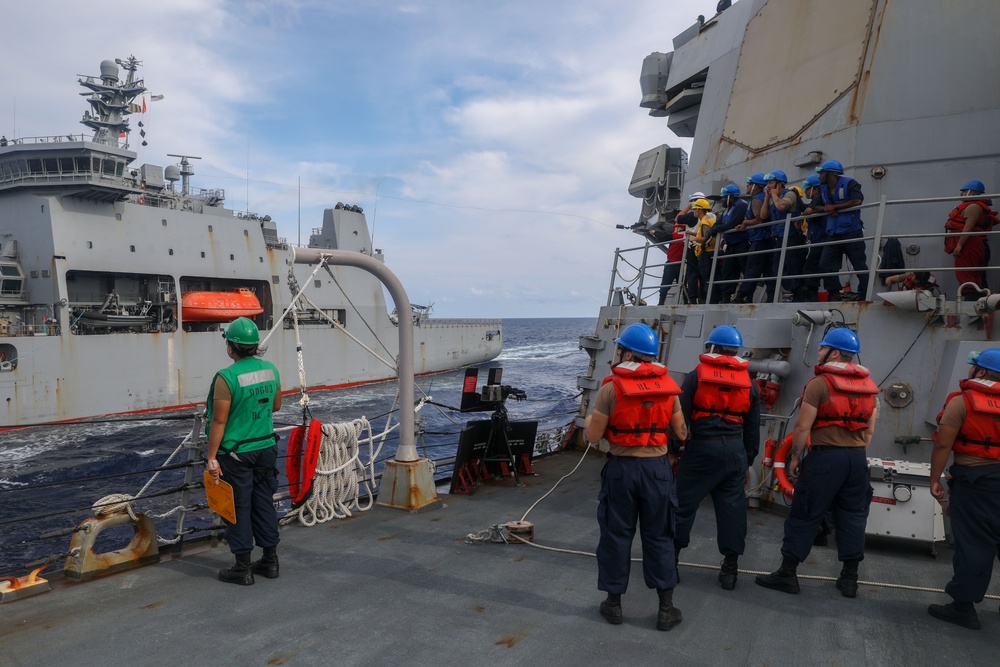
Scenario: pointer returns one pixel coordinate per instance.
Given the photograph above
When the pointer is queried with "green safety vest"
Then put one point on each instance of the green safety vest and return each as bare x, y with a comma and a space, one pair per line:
253, 384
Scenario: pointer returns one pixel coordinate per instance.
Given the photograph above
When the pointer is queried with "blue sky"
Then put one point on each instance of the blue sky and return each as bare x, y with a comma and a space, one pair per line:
490, 144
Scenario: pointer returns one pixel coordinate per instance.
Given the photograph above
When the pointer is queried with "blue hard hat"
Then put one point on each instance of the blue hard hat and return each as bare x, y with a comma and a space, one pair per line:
757, 179
812, 181
726, 336
988, 359
640, 338
843, 339
975, 186
832, 166
731, 191
777, 175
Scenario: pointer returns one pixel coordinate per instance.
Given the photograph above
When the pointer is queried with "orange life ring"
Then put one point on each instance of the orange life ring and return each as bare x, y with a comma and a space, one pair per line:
303, 455
780, 472
141, 200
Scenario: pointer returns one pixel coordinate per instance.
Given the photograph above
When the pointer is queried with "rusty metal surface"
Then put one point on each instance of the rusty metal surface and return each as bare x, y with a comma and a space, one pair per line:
88, 563
798, 58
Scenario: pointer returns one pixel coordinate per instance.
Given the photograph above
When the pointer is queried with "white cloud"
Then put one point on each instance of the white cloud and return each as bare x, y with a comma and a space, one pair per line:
500, 137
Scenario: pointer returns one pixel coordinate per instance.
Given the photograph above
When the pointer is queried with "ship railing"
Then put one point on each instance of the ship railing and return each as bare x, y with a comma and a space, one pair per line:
13, 295
33, 330
637, 290
173, 493
46, 139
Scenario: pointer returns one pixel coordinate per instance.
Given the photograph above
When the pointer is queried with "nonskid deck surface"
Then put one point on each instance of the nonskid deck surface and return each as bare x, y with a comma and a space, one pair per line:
392, 587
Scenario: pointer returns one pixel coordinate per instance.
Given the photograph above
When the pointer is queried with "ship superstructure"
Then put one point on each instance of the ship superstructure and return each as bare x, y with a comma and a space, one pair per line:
782, 84
98, 258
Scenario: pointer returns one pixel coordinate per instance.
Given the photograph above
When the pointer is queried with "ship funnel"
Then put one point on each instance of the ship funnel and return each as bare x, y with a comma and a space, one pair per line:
808, 318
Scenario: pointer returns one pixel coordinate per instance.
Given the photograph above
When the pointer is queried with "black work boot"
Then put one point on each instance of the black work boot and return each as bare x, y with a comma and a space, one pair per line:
959, 613
847, 582
727, 574
783, 579
240, 573
611, 609
667, 616
267, 566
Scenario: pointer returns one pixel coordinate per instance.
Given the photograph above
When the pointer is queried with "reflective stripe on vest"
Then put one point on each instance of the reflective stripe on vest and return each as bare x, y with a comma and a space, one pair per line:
840, 222
253, 384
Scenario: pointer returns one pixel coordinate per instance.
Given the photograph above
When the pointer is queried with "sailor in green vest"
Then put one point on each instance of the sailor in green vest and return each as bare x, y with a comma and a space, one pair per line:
242, 450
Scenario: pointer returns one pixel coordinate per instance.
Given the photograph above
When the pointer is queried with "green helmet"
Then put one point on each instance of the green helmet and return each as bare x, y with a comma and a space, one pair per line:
242, 331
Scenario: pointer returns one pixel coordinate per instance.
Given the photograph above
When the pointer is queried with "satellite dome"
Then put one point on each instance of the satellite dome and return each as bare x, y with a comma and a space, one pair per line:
172, 173
109, 69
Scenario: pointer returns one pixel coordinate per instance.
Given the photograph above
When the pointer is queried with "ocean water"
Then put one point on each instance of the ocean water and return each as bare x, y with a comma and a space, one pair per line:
50, 476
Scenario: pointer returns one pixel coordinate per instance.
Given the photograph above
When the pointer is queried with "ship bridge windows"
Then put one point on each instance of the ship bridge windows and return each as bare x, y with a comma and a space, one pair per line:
11, 282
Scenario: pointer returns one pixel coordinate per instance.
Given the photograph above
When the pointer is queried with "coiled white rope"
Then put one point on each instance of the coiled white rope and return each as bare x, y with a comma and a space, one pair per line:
335, 490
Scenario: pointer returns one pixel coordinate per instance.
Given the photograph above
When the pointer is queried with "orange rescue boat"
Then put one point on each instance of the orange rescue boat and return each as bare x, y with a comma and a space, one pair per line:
219, 306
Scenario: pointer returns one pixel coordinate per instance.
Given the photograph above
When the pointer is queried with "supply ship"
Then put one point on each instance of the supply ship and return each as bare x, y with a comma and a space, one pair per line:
116, 278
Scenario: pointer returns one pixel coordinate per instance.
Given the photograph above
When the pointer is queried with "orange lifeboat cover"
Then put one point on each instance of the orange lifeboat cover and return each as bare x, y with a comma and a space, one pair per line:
219, 306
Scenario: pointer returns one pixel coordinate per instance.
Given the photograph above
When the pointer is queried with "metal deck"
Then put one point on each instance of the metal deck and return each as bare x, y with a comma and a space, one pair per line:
389, 587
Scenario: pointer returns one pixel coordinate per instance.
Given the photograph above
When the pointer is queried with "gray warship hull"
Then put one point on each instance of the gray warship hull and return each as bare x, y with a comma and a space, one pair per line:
97, 257
779, 84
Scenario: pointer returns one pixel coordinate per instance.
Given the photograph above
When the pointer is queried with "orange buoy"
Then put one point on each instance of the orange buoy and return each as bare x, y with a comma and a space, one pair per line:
780, 471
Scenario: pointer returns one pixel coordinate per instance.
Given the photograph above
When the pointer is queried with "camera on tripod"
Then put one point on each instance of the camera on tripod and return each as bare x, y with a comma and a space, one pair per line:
494, 447
494, 391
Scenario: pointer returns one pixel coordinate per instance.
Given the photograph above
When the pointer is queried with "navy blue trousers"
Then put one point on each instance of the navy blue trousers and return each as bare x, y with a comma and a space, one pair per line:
255, 480
975, 525
830, 479
759, 265
636, 489
796, 253
718, 467
671, 272
832, 258
732, 269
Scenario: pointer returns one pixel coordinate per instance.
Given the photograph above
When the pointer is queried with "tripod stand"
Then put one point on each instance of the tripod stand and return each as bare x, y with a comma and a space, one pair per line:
498, 445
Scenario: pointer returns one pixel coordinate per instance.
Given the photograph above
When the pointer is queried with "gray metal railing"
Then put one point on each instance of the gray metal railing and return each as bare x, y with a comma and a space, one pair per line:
643, 267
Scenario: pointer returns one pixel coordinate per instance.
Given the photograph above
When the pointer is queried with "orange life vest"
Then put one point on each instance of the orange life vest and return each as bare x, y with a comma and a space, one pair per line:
644, 404
987, 219
723, 388
852, 396
980, 432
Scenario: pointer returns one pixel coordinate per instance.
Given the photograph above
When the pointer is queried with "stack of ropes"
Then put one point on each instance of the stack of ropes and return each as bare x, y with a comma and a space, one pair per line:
335, 486
339, 470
